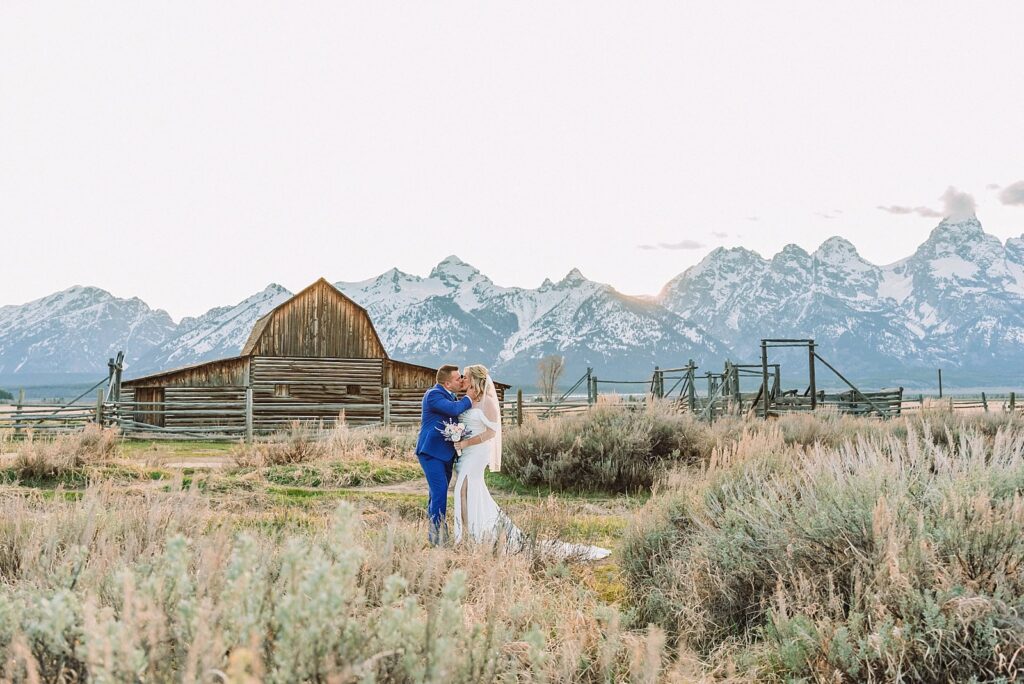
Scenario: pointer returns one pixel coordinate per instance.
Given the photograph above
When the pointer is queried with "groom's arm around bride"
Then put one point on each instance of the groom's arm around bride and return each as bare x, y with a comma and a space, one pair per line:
435, 454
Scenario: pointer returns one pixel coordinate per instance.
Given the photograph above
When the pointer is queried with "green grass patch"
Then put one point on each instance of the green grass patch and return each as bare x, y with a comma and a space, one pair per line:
142, 448
80, 477
503, 483
341, 473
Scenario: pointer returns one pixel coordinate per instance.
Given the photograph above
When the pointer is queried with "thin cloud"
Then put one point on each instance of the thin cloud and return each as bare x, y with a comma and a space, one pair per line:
956, 205
921, 211
830, 215
993, 186
1013, 194
683, 244
719, 235
753, 218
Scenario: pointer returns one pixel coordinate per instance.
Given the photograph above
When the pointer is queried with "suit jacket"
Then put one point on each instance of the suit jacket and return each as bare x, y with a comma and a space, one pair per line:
439, 407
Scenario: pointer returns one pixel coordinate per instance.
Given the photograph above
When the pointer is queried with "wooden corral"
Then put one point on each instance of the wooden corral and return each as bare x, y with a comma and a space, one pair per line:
314, 357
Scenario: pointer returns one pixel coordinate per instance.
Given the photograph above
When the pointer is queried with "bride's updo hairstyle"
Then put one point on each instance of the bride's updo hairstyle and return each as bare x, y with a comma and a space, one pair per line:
477, 375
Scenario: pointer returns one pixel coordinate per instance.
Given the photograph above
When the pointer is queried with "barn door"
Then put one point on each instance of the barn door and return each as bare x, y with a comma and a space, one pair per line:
149, 405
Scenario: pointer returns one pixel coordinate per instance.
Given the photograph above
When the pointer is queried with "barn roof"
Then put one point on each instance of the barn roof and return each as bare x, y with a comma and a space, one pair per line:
261, 325
180, 369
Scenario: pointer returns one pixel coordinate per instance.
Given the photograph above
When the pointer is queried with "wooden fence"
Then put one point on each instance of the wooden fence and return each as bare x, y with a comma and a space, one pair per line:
180, 416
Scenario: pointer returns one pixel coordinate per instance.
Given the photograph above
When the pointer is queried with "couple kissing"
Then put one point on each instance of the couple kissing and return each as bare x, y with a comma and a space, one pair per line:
477, 517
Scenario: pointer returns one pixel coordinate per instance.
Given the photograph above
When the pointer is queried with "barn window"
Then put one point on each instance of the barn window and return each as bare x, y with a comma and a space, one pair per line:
281, 391
353, 389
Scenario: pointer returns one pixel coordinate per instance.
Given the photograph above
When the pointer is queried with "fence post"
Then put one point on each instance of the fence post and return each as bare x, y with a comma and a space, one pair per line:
594, 380
590, 386
99, 407
386, 408
810, 370
248, 414
764, 378
519, 407
17, 415
940, 383
654, 384
691, 374
984, 402
1013, 401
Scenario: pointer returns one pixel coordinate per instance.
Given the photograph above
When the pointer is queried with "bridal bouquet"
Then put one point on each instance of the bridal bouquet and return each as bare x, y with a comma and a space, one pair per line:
454, 432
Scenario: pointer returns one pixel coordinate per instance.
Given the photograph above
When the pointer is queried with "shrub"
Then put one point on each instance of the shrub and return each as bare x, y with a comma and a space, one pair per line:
160, 588
305, 443
609, 448
377, 442
301, 443
880, 559
46, 458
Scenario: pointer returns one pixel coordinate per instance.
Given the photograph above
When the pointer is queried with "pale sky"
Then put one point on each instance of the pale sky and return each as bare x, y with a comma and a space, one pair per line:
190, 153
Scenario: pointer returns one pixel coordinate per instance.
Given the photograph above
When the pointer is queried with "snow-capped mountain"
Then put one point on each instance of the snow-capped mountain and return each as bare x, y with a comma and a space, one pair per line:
76, 331
219, 333
956, 303
458, 313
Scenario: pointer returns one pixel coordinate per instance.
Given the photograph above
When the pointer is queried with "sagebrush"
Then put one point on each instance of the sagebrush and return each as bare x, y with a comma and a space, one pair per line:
883, 558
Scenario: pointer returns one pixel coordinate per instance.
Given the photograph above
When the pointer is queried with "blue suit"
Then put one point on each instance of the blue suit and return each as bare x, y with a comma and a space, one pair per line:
436, 453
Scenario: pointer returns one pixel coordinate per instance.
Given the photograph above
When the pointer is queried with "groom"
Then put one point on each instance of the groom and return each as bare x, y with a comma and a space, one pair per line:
440, 406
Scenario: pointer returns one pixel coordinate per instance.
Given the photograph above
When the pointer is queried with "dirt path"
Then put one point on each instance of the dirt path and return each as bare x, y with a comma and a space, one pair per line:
417, 486
209, 463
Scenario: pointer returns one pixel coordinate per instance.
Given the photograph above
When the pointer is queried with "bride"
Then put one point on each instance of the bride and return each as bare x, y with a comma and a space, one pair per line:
476, 514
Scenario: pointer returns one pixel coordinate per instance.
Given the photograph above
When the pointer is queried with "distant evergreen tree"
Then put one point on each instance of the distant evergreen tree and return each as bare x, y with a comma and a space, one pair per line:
6, 396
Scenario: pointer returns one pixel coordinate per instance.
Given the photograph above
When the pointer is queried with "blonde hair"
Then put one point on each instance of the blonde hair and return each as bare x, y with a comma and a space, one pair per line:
444, 373
477, 375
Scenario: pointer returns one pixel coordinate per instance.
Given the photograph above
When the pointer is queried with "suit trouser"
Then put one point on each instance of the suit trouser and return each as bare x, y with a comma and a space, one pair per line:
439, 475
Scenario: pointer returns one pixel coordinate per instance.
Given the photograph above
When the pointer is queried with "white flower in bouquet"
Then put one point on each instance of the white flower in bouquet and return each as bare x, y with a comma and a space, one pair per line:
454, 432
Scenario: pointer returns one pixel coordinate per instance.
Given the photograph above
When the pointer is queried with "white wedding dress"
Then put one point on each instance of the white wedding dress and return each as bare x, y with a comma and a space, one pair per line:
476, 513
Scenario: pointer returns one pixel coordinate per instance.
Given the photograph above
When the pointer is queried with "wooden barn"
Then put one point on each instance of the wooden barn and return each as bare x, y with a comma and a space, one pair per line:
310, 359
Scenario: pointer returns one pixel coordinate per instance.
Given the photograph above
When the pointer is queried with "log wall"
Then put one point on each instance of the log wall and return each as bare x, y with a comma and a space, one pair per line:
293, 388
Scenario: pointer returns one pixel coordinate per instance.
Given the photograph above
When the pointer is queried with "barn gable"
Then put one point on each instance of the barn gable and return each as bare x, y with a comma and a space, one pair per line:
317, 322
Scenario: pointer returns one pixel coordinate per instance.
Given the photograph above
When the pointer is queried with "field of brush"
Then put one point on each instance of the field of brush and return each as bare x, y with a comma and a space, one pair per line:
814, 548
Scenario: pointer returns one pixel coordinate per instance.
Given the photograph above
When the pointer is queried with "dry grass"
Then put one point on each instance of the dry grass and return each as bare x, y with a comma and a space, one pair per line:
305, 443
50, 458
883, 558
164, 587
810, 548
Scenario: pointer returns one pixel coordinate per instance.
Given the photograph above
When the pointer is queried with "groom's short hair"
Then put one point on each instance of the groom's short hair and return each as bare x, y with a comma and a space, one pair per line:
444, 372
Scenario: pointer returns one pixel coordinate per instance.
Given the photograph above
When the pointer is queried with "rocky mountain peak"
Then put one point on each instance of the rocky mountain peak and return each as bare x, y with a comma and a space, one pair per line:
956, 231
836, 247
573, 277
792, 255
453, 269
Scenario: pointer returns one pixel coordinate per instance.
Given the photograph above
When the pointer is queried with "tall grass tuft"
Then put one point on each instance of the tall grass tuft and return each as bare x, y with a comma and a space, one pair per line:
883, 558
307, 443
301, 443
40, 458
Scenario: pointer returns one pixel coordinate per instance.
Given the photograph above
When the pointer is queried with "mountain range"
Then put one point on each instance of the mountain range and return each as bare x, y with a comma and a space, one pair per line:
957, 303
